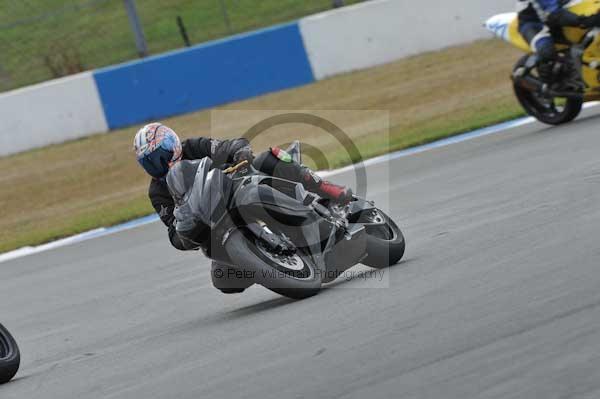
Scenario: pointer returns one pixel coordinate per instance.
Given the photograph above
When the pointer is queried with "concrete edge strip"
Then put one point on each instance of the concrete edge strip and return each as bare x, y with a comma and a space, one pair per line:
590, 109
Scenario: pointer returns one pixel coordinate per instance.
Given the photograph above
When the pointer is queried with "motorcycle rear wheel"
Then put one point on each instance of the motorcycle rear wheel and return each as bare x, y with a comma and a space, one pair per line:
10, 357
551, 111
385, 242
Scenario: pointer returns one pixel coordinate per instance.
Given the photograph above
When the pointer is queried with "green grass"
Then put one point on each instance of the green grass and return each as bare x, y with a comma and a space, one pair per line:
139, 206
106, 215
73, 35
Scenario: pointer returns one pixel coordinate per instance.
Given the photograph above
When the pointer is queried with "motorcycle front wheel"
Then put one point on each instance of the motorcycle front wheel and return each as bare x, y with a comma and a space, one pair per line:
548, 110
10, 357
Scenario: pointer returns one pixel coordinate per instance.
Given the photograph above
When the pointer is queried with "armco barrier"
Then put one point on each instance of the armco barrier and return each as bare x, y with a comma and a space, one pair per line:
207, 75
49, 113
240, 67
381, 31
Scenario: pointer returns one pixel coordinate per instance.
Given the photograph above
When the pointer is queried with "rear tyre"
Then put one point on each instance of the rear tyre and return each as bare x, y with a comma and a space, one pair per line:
294, 276
385, 241
10, 357
548, 110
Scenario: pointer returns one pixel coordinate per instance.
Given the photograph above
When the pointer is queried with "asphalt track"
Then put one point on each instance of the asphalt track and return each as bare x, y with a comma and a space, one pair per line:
498, 296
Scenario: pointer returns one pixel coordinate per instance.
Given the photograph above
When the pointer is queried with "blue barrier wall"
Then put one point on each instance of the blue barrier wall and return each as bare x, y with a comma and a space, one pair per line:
204, 76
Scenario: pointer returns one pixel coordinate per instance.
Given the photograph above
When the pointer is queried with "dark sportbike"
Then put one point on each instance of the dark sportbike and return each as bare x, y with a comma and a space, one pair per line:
272, 232
10, 357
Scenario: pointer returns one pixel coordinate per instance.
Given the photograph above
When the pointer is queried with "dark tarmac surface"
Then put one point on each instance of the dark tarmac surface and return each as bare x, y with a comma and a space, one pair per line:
498, 296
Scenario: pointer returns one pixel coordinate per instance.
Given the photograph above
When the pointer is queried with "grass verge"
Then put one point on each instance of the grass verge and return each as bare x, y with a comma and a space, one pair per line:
69, 188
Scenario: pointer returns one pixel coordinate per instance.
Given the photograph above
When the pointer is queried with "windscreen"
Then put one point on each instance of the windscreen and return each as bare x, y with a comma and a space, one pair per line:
201, 193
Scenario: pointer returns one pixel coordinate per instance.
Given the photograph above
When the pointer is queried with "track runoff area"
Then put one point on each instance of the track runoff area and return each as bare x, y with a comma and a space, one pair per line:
497, 295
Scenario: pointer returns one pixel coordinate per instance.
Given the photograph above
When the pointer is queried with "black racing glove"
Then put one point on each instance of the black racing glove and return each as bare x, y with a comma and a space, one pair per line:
592, 21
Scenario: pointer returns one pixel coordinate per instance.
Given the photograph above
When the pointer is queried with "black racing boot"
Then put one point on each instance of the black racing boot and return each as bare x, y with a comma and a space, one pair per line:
334, 192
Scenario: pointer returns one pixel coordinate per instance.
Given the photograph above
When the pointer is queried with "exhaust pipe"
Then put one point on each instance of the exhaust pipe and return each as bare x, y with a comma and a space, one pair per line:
532, 84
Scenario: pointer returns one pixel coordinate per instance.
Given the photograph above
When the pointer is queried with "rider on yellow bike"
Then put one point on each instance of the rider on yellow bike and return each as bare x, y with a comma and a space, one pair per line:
541, 23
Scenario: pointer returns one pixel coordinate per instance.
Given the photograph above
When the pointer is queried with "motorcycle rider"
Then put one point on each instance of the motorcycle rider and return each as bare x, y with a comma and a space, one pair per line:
540, 23
158, 148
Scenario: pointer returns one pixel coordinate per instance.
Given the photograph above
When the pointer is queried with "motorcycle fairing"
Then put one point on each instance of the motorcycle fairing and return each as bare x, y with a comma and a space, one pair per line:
203, 200
181, 178
357, 208
346, 253
506, 27
264, 197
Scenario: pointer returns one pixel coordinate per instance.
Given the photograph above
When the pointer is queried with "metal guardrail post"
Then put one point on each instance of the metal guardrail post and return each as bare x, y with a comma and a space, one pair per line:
225, 16
136, 26
183, 31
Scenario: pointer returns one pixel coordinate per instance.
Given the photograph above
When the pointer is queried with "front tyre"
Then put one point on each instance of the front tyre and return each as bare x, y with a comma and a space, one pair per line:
294, 276
10, 357
546, 109
385, 241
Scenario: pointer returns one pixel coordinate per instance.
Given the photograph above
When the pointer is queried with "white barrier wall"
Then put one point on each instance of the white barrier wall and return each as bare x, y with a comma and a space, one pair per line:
49, 113
381, 31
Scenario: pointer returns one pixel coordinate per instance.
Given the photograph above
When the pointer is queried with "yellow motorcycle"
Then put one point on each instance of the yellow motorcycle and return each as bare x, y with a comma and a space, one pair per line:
551, 104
